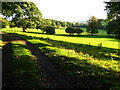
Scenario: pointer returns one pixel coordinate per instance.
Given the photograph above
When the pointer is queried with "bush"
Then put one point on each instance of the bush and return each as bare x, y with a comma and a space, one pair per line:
72, 30
50, 30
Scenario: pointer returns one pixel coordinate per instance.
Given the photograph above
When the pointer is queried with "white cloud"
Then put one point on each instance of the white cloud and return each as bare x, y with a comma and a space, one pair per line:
71, 10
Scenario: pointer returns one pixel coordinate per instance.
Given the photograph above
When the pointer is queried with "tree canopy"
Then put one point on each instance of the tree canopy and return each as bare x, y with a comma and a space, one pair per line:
92, 25
113, 12
4, 22
23, 14
72, 30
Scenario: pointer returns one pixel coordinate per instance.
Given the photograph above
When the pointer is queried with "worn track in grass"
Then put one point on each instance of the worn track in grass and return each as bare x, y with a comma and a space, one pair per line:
53, 72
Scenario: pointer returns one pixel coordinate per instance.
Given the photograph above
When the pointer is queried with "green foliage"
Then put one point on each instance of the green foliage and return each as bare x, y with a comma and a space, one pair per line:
70, 30
113, 28
4, 22
43, 27
24, 14
53, 23
12, 24
50, 30
92, 26
78, 31
113, 11
73, 30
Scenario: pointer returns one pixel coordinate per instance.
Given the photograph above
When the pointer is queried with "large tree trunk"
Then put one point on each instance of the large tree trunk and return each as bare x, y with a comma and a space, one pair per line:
24, 29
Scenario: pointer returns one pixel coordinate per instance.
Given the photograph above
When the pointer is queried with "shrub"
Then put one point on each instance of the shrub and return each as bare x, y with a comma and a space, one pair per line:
50, 30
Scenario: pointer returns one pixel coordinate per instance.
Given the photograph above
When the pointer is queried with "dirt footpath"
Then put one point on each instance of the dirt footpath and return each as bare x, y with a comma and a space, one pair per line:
52, 71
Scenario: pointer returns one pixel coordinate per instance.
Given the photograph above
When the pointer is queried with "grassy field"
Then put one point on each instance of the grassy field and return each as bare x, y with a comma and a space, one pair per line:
83, 39
87, 64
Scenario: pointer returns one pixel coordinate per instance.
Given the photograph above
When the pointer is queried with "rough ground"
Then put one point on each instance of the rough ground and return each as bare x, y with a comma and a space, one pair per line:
53, 73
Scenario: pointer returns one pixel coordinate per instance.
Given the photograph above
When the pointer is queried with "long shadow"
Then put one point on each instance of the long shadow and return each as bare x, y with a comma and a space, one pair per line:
6, 60
19, 72
83, 74
103, 53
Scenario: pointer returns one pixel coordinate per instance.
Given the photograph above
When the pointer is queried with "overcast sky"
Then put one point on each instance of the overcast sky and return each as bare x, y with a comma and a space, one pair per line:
71, 10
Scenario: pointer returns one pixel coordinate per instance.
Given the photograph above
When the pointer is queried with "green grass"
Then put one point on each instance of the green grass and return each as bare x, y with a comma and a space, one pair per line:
83, 39
24, 69
81, 65
93, 67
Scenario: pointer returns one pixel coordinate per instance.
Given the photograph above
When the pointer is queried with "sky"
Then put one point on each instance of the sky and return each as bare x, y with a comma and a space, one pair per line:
71, 10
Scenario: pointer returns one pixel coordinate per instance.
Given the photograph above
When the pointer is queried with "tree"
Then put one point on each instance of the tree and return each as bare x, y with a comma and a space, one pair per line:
50, 30
53, 23
92, 25
113, 13
4, 22
113, 10
113, 28
42, 27
70, 30
48, 21
24, 14
78, 31
77, 24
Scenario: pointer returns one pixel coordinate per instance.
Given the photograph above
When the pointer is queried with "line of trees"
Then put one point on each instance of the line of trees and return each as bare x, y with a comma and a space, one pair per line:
27, 15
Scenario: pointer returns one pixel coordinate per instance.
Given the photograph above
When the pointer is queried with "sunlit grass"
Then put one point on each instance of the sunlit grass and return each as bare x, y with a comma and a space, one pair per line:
94, 41
80, 63
108, 64
62, 36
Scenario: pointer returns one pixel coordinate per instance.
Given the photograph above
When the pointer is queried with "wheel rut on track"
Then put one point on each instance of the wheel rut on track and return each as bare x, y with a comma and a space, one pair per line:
48, 67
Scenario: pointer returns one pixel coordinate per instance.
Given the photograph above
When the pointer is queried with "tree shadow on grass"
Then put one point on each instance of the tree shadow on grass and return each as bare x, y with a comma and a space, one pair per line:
104, 53
19, 71
82, 73
6, 59
24, 73
85, 75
